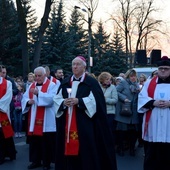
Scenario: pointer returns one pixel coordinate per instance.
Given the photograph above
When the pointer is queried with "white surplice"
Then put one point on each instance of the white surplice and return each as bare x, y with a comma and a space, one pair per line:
159, 123
43, 99
89, 101
6, 99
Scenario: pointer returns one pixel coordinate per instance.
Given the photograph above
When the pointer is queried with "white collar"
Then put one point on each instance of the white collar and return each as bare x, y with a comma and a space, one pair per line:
82, 77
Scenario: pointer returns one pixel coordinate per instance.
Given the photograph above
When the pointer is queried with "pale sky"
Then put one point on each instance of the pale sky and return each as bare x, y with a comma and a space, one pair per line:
106, 7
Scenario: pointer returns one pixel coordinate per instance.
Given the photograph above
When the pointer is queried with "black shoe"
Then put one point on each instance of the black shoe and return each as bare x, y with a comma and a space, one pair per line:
34, 165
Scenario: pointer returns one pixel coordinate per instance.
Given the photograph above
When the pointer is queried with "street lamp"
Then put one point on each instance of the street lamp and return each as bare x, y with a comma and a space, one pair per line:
90, 59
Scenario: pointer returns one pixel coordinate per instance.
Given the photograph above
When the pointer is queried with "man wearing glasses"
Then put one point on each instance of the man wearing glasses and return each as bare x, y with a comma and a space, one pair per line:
154, 102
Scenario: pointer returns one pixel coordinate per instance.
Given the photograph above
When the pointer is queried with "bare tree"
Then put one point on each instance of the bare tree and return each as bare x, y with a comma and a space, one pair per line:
124, 22
91, 6
43, 26
23, 32
145, 23
136, 21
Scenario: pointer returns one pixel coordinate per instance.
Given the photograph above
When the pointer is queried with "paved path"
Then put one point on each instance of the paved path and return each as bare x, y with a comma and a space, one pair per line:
124, 163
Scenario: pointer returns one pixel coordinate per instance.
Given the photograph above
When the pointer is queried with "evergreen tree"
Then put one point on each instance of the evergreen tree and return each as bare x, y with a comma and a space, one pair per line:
109, 56
120, 56
76, 34
101, 41
32, 27
56, 48
101, 47
9, 37
117, 45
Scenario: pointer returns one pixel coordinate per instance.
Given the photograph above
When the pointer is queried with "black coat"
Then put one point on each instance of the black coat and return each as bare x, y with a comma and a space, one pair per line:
96, 149
14, 92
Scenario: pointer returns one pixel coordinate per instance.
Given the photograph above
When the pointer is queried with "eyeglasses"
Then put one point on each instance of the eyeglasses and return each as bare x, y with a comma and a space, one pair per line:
164, 68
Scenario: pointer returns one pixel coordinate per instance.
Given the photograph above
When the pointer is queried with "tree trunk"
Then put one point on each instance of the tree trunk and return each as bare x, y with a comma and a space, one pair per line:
43, 26
24, 42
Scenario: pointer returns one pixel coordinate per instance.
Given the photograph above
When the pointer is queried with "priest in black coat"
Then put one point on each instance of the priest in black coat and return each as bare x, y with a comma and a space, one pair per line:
84, 140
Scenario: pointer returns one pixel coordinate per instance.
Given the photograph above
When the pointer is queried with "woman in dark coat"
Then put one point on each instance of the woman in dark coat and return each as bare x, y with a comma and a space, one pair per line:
128, 90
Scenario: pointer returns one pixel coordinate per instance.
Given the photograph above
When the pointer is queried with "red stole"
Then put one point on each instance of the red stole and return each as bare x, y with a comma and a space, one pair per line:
72, 146
39, 119
54, 80
151, 90
4, 120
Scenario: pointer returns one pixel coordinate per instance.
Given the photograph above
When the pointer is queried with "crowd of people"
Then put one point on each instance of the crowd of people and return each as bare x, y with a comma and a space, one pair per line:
76, 121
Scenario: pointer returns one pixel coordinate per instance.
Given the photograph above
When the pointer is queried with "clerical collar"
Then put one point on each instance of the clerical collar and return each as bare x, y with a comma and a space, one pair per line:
39, 84
81, 78
166, 81
76, 79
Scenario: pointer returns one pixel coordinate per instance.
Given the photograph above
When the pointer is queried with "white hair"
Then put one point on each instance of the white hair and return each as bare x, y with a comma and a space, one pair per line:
40, 68
77, 58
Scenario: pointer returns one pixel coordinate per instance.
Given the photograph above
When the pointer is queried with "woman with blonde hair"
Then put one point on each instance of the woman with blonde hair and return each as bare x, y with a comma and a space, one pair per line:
142, 79
128, 90
111, 98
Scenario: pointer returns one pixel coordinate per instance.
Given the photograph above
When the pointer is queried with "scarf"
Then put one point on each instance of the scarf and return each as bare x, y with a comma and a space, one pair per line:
4, 120
39, 119
71, 135
151, 90
134, 86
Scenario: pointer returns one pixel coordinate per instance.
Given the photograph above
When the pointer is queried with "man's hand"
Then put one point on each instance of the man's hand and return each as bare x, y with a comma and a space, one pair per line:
126, 100
34, 91
70, 102
162, 103
31, 101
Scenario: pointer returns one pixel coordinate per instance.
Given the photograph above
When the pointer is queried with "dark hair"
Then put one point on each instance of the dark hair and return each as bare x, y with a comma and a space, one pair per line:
2, 67
52, 73
58, 68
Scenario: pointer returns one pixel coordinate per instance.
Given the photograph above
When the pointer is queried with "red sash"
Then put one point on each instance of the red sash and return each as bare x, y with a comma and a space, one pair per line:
72, 147
54, 80
151, 90
39, 119
4, 120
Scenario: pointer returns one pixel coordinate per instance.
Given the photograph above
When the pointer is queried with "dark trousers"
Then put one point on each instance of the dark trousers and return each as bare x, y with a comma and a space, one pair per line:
17, 115
157, 156
140, 140
126, 139
112, 125
42, 148
7, 147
